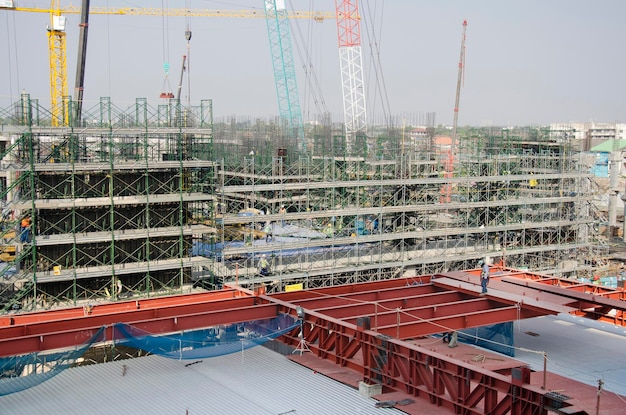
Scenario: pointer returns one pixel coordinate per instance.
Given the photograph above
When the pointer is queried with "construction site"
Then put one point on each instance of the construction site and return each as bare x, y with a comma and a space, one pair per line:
112, 211
148, 201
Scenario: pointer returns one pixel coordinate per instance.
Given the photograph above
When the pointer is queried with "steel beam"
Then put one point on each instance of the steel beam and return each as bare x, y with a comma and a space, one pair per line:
50, 335
397, 365
119, 307
336, 328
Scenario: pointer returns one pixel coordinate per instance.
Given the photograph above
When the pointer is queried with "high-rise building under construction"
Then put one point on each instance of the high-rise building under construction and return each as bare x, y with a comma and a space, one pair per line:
148, 200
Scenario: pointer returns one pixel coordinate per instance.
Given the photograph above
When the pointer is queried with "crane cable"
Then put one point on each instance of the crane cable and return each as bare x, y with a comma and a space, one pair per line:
166, 90
312, 86
108, 54
380, 88
15, 47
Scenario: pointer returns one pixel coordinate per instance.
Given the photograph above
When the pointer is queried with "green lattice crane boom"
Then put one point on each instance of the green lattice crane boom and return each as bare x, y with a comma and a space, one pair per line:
57, 39
279, 33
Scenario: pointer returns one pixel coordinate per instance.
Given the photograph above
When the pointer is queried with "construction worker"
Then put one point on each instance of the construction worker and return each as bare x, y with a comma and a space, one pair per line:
6, 217
264, 266
329, 231
25, 229
282, 211
484, 276
269, 234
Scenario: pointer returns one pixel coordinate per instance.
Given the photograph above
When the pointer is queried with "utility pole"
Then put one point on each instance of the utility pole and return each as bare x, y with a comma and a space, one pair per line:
615, 160
624, 224
600, 385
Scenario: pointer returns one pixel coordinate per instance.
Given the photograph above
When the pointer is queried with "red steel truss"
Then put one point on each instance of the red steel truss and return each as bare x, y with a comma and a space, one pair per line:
588, 300
374, 328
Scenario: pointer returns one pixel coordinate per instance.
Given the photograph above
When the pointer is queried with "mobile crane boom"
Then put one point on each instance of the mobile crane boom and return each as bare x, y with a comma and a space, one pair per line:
80, 63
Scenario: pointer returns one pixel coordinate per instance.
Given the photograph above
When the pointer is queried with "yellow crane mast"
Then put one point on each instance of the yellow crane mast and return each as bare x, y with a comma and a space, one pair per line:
58, 65
59, 100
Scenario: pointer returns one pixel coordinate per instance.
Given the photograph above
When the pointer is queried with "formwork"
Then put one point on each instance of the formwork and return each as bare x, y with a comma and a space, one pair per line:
146, 200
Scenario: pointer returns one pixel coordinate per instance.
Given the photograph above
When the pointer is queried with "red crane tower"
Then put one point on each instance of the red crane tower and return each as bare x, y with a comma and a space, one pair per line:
351, 62
449, 162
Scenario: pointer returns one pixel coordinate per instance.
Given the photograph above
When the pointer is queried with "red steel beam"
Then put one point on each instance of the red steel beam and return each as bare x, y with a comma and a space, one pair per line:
587, 304
392, 362
119, 307
577, 292
569, 284
349, 311
50, 335
541, 302
424, 327
373, 286
429, 294
381, 316
426, 309
397, 365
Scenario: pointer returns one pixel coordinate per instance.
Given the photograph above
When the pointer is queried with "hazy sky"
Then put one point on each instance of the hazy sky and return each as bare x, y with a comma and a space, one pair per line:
528, 62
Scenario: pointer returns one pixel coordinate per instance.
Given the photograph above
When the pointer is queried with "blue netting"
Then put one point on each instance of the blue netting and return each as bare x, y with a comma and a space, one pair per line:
497, 337
211, 342
25, 371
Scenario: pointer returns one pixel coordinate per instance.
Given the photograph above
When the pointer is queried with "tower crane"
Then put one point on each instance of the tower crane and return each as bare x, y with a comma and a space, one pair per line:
459, 81
58, 61
182, 72
284, 69
184, 68
351, 63
57, 41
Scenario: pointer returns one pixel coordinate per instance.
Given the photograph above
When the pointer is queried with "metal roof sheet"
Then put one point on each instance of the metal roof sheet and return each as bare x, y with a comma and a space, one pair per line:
255, 381
576, 347
260, 381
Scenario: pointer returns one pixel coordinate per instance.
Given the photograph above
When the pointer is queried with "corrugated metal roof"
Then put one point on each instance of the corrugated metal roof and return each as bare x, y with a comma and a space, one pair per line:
577, 348
256, 381
260, 381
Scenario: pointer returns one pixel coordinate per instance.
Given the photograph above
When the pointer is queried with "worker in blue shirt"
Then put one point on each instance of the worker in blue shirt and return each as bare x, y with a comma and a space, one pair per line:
484, 277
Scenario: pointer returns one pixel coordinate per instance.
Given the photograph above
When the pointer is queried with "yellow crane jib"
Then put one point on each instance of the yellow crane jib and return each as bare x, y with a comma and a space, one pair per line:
59, 99
156, 11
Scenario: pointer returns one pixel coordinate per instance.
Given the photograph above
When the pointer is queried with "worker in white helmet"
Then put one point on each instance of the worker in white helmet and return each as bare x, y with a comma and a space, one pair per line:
264, 266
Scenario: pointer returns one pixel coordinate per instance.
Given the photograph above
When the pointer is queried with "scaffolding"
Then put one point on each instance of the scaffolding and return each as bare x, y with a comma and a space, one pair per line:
143, 201
114, 205
520, 197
